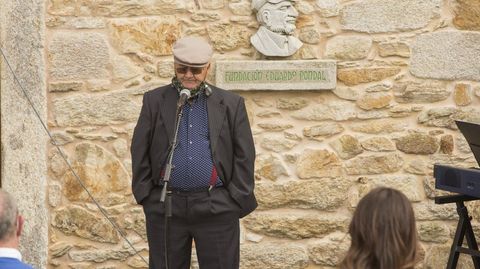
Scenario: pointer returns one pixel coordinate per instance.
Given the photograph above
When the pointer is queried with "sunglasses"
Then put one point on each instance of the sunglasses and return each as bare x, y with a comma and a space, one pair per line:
184, 69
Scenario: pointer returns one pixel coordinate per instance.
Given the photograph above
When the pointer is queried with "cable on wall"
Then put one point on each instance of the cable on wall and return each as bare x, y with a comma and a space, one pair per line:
62, 154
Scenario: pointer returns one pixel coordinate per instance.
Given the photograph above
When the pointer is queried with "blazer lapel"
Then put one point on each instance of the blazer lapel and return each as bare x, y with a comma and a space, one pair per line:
168, 111
216, 115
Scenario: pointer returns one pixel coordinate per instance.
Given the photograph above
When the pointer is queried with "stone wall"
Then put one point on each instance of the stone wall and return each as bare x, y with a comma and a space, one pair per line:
406, 70
23, 139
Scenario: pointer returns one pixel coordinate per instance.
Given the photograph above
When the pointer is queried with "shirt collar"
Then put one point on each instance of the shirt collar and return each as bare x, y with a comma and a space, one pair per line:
10, 253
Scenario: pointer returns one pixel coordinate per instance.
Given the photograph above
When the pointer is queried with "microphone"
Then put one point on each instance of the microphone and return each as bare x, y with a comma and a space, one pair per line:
184, 95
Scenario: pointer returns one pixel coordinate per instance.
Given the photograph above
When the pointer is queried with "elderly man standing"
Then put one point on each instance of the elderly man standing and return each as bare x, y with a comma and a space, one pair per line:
11, 225
211, 184
277, 24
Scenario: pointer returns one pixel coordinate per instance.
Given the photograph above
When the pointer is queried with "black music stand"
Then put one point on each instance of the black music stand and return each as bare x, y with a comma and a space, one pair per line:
471, 132
464, 227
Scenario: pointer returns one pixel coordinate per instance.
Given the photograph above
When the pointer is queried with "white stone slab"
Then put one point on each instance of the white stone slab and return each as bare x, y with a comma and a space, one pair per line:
447, 55
276, 75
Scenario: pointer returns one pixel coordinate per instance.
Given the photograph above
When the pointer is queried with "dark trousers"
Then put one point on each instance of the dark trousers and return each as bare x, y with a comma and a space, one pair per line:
209, 218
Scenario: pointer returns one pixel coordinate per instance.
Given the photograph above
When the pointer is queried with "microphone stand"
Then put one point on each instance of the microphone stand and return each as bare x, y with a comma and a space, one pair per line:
165, 196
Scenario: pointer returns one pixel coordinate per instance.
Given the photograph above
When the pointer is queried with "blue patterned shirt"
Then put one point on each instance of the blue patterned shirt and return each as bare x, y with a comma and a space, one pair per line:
192, 159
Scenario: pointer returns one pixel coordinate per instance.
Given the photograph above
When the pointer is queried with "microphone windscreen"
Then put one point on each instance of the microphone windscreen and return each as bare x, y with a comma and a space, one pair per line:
208, 90
185, 93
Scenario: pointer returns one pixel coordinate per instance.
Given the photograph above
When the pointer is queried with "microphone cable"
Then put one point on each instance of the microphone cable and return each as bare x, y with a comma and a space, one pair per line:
54, 142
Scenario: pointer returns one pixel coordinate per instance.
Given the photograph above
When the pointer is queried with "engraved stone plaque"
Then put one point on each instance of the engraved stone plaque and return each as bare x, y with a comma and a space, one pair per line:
276, 75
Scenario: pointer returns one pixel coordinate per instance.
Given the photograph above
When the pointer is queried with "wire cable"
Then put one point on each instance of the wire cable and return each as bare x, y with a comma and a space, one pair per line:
54, 142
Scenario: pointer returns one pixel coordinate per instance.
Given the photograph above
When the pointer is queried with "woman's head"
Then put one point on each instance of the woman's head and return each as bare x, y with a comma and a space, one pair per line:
383, 232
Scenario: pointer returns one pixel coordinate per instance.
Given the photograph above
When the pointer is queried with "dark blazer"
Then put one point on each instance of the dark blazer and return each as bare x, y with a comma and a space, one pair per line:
231, 143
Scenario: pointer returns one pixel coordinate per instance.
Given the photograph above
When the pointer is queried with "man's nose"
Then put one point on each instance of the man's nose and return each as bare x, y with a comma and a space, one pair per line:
189, 73
292, 12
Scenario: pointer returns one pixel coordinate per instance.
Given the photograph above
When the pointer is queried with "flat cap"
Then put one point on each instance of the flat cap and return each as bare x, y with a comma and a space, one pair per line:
192, 51
258, 4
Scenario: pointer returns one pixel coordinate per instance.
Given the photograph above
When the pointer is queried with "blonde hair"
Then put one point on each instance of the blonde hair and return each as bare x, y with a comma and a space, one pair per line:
383, 232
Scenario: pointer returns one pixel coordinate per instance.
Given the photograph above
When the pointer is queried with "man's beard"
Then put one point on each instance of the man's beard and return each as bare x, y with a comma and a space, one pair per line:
196, 81
287, 30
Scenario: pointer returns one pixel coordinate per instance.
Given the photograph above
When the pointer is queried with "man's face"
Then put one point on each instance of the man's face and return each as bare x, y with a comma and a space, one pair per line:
190, 77
281, 17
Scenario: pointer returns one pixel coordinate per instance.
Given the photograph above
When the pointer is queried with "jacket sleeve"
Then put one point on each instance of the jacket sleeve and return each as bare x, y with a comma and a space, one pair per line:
242, 184
141, 165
